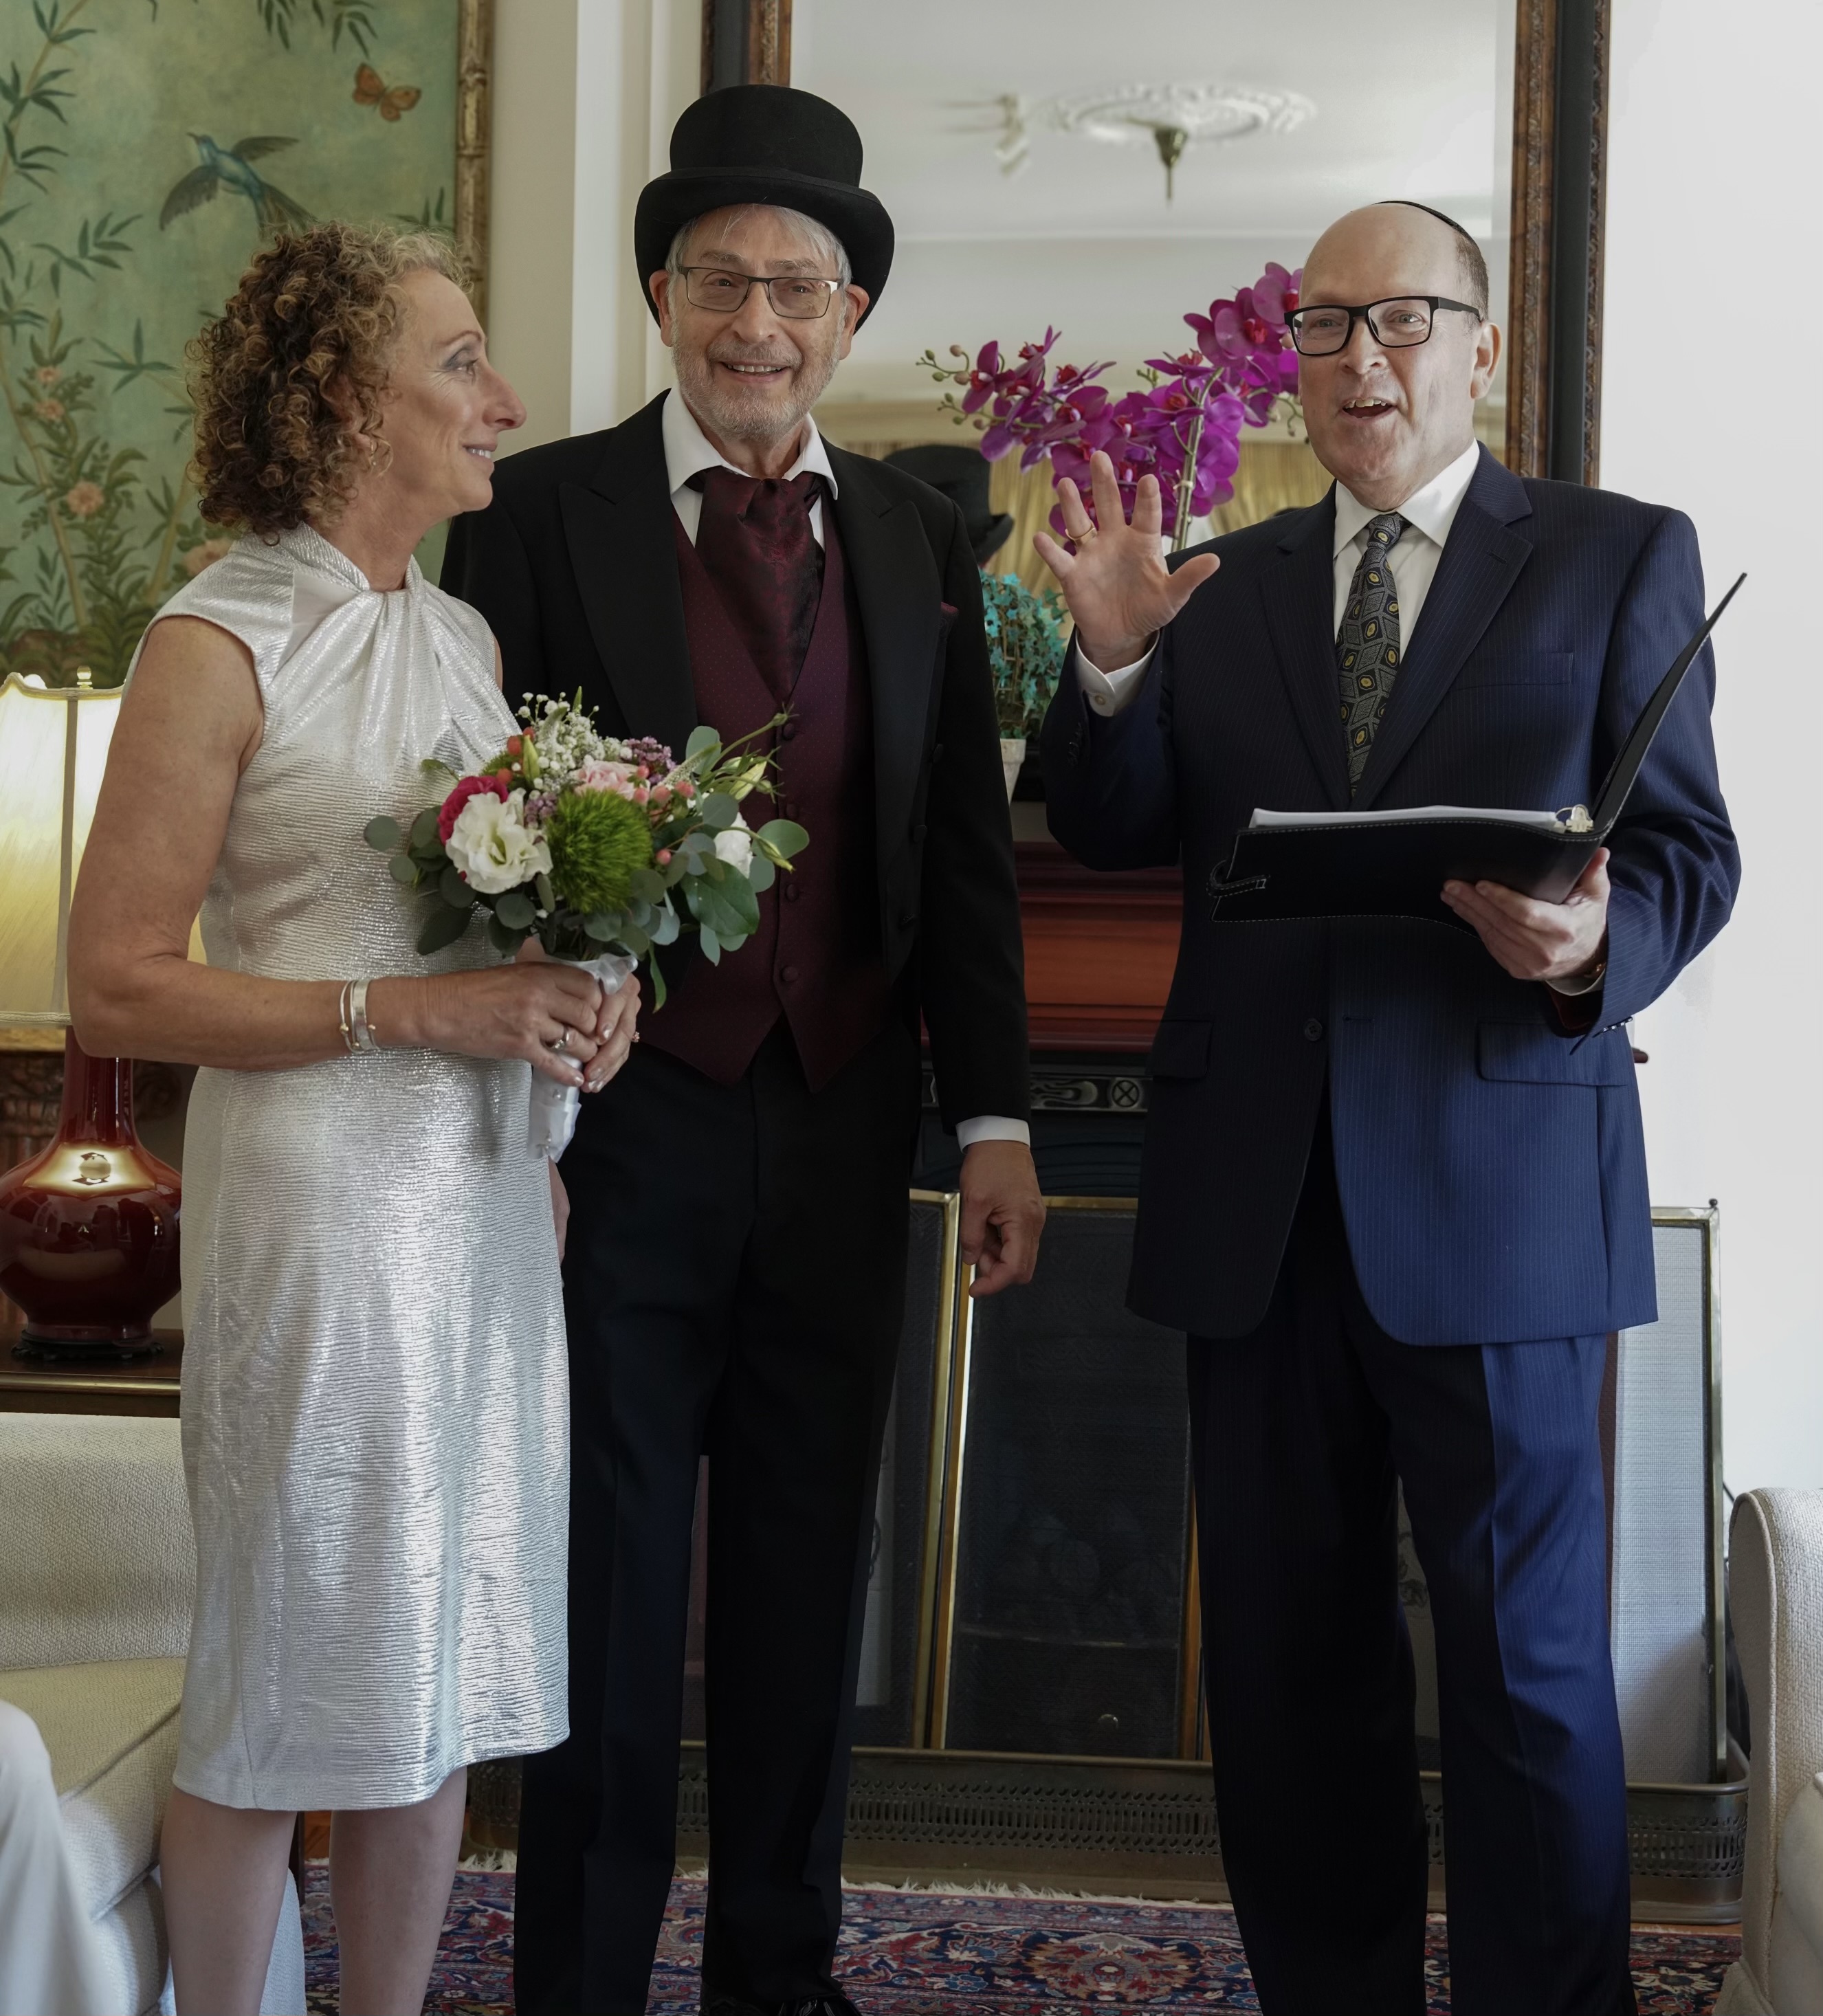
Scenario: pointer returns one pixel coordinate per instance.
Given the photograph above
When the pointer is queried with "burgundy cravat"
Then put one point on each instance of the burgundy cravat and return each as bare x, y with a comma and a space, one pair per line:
755, 543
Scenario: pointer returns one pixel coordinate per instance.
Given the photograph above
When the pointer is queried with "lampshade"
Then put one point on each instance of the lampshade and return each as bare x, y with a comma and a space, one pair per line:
53, 748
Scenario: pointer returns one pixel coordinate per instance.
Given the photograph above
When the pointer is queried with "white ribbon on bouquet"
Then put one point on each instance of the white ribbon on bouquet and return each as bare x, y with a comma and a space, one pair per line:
551, 1121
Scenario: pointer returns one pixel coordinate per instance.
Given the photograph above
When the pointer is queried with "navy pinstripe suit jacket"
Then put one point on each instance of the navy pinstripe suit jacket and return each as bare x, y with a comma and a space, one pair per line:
1490, 1165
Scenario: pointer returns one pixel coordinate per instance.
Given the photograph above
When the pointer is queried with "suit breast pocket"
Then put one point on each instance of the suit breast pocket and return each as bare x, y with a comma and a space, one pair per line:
1519, 669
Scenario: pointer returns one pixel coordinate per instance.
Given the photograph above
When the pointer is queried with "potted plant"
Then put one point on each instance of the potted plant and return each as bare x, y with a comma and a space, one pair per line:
1025, 648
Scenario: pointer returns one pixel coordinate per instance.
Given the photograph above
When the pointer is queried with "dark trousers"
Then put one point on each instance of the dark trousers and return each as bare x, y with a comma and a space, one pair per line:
735, 1284
1301, 1429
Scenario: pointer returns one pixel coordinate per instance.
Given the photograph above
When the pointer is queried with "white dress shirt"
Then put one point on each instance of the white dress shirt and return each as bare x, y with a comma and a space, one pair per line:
687, 450
1428, 513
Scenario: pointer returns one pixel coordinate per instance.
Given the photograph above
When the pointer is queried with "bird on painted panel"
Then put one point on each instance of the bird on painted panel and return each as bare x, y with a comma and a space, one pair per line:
230, 168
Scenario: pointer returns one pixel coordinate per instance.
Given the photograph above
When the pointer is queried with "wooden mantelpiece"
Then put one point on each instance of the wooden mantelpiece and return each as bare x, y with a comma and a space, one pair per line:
1100, 950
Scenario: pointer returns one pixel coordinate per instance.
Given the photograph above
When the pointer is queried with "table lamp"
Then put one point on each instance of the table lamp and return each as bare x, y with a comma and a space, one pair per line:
88, 1227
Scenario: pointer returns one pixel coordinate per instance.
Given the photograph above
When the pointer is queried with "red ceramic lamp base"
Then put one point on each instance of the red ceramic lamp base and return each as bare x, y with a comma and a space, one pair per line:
88, 1227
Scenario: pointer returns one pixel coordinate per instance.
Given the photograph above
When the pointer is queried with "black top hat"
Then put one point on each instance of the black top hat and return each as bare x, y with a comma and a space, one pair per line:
961, 474
765, 143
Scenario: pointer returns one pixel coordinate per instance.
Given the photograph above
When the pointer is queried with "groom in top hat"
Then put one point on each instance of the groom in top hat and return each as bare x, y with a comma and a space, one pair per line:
737, 1253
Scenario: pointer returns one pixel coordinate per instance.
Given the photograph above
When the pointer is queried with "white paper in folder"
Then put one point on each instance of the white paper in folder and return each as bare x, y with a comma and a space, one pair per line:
1545, 822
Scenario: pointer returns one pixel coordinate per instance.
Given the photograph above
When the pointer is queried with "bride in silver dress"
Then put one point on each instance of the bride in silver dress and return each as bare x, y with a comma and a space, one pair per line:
374, 1386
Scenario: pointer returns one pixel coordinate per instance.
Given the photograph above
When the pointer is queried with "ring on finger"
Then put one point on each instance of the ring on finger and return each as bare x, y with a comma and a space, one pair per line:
561, 1043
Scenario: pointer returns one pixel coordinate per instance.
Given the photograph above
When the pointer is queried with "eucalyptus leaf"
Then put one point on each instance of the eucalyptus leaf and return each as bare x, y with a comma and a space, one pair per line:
424, 828
403, 869
718, 811
635, 940
648, 883
787, 836
602, 926
547, 896
382, 832
515, 911
442, 927
639, 914
700, 738
712, 946
761, 874
737, 897
502, 939
454, 892
665, 926
657, 976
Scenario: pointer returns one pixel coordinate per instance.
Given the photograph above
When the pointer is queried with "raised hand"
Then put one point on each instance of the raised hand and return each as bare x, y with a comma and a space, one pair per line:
1119, 588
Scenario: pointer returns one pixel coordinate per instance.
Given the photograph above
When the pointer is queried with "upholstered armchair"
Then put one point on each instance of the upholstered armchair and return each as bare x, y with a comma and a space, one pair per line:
1775, 1585
97, 1567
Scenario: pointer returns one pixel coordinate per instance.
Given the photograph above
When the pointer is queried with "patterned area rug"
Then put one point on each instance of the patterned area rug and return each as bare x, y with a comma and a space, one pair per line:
935, 1954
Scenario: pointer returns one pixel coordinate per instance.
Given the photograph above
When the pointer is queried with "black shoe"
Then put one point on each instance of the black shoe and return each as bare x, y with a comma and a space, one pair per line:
817, 2005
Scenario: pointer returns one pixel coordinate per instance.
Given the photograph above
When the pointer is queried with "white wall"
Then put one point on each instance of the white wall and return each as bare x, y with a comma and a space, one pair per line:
585, 93
1712, 184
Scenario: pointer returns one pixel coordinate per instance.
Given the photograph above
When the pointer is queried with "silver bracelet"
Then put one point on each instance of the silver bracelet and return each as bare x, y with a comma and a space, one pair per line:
360, 1029
344, 1022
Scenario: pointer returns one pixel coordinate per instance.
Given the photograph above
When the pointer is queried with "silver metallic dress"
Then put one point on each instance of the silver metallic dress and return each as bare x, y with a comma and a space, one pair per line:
374, 1383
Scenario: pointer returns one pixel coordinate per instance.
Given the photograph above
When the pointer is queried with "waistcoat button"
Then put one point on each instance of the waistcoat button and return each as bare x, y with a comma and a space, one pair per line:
789, 975
790, 892
788, 731
1312, 1031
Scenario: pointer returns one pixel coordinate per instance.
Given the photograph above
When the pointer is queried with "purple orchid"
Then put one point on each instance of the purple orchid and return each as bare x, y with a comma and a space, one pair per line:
1195, 405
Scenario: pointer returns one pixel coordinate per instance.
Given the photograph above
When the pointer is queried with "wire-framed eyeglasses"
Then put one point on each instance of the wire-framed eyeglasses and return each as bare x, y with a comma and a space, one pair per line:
1396, 323
795, 296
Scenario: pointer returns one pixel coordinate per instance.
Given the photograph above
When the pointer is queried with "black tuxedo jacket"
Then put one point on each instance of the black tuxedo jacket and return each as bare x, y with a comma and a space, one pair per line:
575, 565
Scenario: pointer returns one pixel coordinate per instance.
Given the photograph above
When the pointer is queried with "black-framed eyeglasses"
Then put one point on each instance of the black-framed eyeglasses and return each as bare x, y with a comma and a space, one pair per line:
795, 296
1397, 323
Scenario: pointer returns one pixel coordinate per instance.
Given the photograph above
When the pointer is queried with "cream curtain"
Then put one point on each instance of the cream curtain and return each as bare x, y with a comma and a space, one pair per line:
1272, 476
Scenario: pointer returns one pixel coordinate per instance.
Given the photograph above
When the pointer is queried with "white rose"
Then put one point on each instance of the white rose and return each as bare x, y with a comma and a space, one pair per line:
734, 845
491, 844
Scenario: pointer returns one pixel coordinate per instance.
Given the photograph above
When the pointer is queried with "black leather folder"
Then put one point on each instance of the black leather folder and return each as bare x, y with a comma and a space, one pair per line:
1395, 864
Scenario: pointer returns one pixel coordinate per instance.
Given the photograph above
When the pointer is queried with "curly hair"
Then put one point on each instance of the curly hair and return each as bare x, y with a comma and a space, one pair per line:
311, 328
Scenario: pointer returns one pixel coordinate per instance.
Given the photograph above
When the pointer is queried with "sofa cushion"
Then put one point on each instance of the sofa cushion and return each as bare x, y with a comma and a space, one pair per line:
111, 1730
99, 1562
1800, 1869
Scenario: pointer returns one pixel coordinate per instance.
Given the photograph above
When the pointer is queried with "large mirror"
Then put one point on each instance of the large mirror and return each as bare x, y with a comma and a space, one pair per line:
1106, 171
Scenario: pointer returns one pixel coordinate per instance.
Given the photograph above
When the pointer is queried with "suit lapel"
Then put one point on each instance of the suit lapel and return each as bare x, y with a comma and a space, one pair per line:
1481, 561
618, 529
900, 597
1298, 590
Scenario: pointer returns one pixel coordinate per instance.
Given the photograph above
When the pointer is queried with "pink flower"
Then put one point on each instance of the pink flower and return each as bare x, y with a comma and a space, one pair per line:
206, 555
470, 787
49, 411
598, 776
85, 499
48, 374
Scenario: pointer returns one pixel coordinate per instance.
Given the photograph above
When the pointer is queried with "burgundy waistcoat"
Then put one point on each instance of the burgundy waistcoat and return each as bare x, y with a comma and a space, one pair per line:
816, 958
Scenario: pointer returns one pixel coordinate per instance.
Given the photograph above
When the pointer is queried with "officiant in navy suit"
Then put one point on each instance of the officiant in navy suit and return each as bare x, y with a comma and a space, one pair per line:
737, 1262
1393, 1185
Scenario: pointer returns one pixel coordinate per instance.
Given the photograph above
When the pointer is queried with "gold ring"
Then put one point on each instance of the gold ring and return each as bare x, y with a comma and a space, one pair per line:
561, 1042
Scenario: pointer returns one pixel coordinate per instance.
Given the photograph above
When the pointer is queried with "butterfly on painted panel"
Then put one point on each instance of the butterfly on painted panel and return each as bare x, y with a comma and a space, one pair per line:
370, 90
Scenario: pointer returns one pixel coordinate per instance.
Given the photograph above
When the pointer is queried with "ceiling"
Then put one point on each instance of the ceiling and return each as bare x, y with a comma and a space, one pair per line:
1405, 101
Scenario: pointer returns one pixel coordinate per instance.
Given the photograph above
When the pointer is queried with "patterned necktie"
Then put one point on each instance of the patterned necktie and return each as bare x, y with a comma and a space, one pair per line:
1366, 645
755, 538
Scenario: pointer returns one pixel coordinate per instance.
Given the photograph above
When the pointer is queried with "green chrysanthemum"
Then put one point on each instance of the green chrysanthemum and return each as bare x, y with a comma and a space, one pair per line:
598, 843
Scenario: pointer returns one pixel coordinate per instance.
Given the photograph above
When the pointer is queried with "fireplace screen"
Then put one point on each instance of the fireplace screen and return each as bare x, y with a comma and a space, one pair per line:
1062, 1615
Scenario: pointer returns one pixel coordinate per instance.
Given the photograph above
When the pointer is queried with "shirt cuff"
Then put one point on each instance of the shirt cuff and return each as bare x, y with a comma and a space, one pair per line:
992, 1127
1107, 693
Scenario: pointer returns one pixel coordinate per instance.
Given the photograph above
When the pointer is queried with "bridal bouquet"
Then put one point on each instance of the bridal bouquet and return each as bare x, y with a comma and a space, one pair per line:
590, 844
